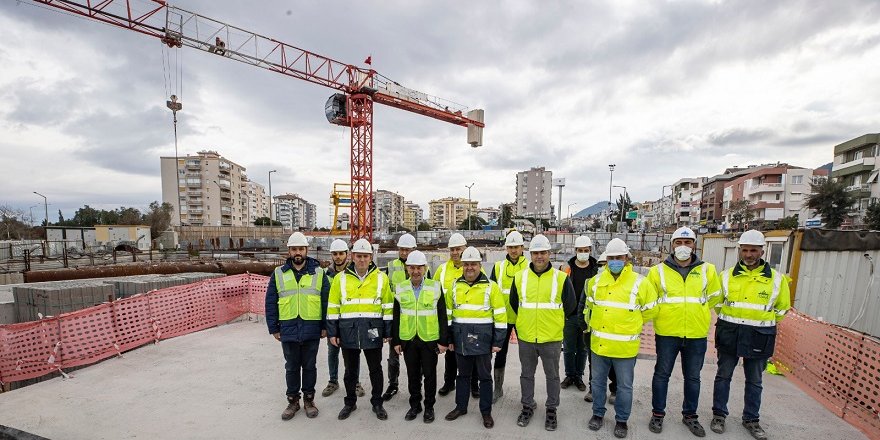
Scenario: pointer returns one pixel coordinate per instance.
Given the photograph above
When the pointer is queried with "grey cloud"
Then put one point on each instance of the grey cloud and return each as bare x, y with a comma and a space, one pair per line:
739, 136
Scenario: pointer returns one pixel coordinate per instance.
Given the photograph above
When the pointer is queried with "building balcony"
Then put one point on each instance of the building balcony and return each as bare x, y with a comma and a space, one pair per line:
194, 183
193, 165
860, 165
194, 193
196, 202
766, 205
225, 167
762, 188
196, 211
224, 184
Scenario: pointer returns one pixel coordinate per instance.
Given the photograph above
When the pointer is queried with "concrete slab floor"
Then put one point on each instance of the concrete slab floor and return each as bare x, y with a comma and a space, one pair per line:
228, 382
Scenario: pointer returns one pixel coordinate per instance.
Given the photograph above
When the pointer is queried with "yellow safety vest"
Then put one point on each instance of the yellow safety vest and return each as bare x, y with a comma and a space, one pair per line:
418, 316
352, 298
299, 299
683, 309
481, 303
504, 273
447, 274
616, 310
541, 316
396, 272
758, 297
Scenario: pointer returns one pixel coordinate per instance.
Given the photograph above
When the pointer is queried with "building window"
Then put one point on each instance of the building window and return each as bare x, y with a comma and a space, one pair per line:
797, 180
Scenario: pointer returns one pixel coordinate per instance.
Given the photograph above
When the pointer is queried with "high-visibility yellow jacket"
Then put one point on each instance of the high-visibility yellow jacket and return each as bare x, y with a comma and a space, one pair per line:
396, 272
477, 316
420, 316
447, 274
616, 310
758, 297
359, 311
683, 307
503, 273
540, 308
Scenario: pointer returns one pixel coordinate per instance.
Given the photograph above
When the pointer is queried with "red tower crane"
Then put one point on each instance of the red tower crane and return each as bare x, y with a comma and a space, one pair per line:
359, 87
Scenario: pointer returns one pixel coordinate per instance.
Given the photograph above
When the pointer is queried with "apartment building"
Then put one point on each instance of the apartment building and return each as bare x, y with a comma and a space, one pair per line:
294, 212
855, 164
205, 189
533, 193
450, 212
388, 210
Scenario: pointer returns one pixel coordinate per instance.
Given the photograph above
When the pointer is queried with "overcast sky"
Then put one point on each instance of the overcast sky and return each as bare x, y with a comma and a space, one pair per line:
663, 90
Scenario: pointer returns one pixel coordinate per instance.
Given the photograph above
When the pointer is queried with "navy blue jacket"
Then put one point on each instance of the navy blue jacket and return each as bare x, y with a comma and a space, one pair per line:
297, 329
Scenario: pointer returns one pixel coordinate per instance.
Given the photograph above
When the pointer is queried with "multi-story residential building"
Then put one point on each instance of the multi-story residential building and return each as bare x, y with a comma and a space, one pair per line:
449, 212
774, 191
255, 200
488, 214
533, 193
413, 215
856, 165
712, 197
388, 210
294, 212
207, 188
647, 216
683, 210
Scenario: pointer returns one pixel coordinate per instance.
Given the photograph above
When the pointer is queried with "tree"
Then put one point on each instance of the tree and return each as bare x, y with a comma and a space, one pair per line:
831, 201
129, 216
476, 223
506, 216
872, 216
159, 218
264, 221
12, 223
790, 222
424, 226
741, 212
623, 203
596, 225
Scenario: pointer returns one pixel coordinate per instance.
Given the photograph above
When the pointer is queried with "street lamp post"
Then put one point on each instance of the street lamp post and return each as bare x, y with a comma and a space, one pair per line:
622, 202
610, 183
175, 106
46, 206
469, 204
569, 211
270, 195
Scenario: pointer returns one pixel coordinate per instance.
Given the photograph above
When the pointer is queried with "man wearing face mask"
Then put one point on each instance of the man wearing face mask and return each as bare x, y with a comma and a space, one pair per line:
585, 329
619, 302
296, 302
338, 262
688, 289
755, 298
581, 267
502, 273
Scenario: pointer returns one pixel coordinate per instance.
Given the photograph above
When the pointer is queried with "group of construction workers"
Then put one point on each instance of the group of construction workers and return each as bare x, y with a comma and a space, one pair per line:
588, 310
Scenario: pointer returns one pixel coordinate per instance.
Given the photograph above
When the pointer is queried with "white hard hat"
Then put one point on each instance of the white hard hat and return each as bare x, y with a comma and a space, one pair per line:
684, 232
602, 258
616, 247
338, 246
514, 238
416, 258
406, 241
297, 239
752, 237
471, 254
539, 243
362, 246
457, 240
583, 241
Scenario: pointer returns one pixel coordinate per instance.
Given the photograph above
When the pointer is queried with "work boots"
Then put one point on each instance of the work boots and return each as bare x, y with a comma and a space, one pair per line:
309, 406
292, 408
499, 385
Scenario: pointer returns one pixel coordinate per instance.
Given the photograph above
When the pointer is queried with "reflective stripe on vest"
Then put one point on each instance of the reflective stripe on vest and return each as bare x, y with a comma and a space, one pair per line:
344, 293
703, 299
550, 305
501, 274
777, 283
418, 315
633, 298
296, 301
615, 336
486, 307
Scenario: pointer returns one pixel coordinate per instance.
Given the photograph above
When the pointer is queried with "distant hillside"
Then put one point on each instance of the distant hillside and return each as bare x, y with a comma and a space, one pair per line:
595, 209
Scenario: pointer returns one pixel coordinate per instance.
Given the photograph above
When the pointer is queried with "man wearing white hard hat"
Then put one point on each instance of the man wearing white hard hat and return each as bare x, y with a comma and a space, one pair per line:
478, 319
502, 273
755, 298
419, 332
447, 274
296, 304
543, 298
619, 302
585, 329
338, 262
580, 268
397, 272
359, 314
689, 288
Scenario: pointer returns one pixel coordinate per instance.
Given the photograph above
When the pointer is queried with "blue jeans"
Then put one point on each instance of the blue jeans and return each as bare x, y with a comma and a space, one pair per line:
600, 366
333, 362
693, 352
753, 369
574, 349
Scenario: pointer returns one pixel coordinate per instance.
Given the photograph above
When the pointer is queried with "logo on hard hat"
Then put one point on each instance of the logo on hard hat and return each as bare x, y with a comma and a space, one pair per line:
685, 233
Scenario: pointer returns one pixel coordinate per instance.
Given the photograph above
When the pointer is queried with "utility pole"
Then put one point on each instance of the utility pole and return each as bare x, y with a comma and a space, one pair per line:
610, 184
46, 206
175, 107
270, 196
469, 204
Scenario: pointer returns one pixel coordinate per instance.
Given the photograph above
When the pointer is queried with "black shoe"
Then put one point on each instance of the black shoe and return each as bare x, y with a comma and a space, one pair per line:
488, 421
429, 415
412, 414
620, 430
380, 412
525, 416
389, 393
596, 423
475, 393
454, 414
655, 425
550, 422
446, 389
694, 425
346, 411
578, 382
567, 382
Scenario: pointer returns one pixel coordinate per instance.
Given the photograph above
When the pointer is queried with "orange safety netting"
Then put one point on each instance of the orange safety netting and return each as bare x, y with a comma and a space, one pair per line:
839, 368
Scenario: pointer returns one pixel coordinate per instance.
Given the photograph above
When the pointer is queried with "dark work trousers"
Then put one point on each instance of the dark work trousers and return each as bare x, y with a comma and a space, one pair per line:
352, 359
393, 366
451, 372
300, 359
421, 361
482, 363
501, 356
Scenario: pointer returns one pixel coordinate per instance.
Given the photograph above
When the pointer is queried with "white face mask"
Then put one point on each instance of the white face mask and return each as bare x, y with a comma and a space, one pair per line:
683, 253
583, 257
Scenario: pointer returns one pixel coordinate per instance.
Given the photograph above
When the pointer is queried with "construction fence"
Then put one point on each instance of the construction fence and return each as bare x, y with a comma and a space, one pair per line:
840, 368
